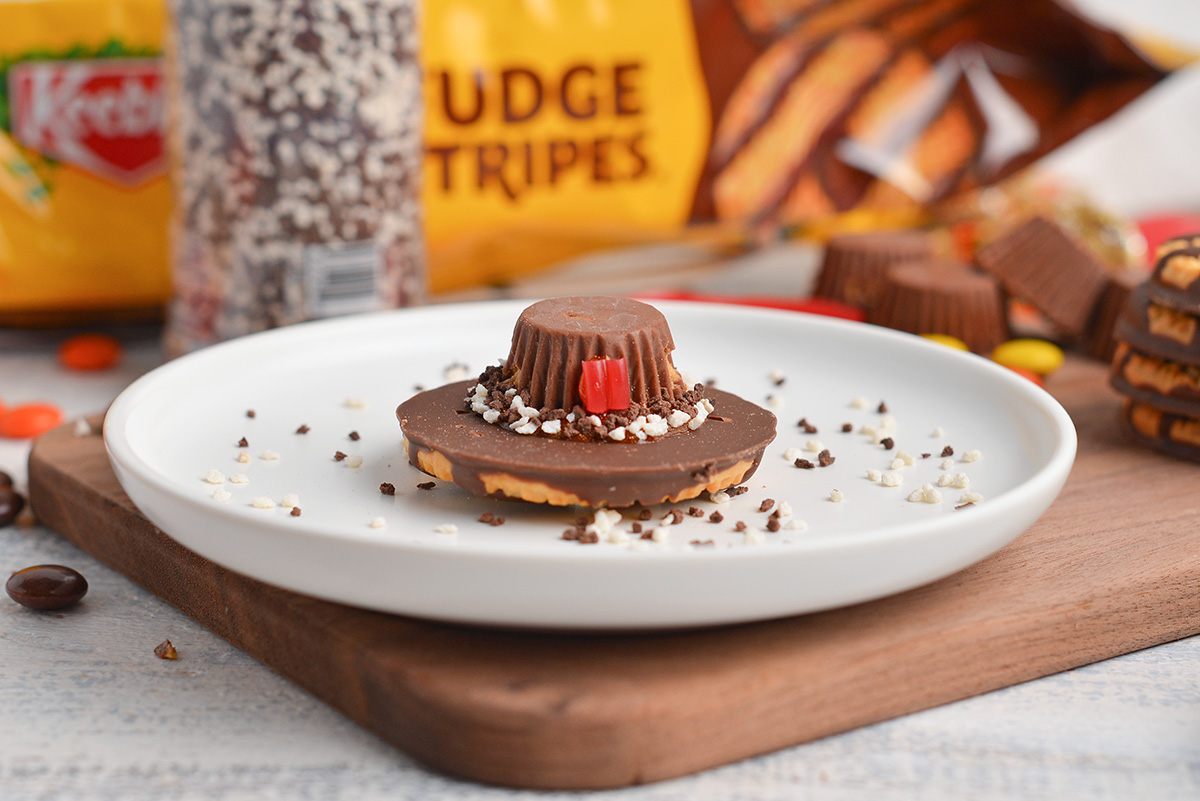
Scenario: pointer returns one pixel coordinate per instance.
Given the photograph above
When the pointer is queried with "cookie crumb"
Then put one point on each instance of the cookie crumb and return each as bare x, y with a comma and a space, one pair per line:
303, 429
739, 526
947, 464
752, 537
676, 517
814, 446
645, 514
736, 491
498, 520
777, 377
891, 479
702, 543
719, 496
796, 525
873, 474
859, 402
166, 650
926, 455
388, 488
635, 528
773, 524
486, 517
774, 401
426, 485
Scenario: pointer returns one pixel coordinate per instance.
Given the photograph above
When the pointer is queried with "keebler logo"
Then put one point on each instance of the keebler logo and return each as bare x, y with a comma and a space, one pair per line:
105, 116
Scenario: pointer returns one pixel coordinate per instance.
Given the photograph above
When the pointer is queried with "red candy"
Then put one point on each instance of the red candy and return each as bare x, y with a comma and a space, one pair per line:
29, 420
89, 352
1032, 376
604, 385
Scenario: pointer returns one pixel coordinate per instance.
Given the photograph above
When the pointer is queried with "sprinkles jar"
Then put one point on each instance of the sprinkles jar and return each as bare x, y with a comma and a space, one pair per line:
295, 136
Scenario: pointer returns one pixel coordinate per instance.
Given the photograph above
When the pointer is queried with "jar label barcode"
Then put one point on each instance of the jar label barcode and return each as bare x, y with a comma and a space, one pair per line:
343, 279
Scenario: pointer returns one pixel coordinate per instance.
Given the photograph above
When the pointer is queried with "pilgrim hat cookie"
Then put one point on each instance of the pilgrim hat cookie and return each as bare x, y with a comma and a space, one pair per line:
588, 409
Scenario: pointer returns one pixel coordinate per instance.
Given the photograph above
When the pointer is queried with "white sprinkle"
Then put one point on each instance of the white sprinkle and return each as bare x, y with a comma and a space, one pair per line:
639, 545
239, 478
970, 497
214, 477
377, 522
897, 463
516, 403
785, 509
792, 454
859, 403
938, 433
269, 456
916, 496
526, 426
701, 415
243, 457
455, 372
961, 481
595, 421
552, 427
869, 431
933, 496
719, 497
668, 519
776, 376
290, 500
571, 417
707, 405
479, 407
753, 536
880, 435
262, 503
617, 434
678, 418
972, 456
891, 479
796, 524
814, 446
617, 536
82, 429
837, 496
355, 403
528, 412
873, 474
613, 515
446, 528
354, 461
775, 401
508, 393
491, 415
947, 464
888, 422
907, 458
945, 480
221, 494
660, 534
656, 426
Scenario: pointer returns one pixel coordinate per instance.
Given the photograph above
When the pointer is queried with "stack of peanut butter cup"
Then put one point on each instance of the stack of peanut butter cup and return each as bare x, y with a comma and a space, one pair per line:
1156, 364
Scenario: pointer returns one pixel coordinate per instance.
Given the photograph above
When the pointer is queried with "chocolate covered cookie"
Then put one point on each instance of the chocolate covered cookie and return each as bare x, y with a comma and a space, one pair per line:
1150, 327
1165, 384
1170, 432
588, 409
855, 264
942, 298
1175, 281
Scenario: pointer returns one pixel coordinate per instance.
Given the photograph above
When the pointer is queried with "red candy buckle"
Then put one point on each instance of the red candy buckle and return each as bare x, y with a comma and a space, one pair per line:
604, 385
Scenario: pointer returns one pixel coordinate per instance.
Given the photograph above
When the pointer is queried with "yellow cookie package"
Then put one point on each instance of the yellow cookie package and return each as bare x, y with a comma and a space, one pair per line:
555, 127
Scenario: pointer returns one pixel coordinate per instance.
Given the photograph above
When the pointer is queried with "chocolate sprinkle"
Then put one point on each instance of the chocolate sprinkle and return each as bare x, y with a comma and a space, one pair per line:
649, 535
338, 456
243, 443
699, 543
947, 451
806, 426
716, 517
426, 485
354, 436
926, 455
486, 517
694, 512
645, 514
882, 408
295, 511
847, 428
636, 528
589, 538
497, 521
676, 517
888, 443
387, 488
773, 524
733, 492
739, 526
804, 464
303, 429
824, 459
250, 413
766, 504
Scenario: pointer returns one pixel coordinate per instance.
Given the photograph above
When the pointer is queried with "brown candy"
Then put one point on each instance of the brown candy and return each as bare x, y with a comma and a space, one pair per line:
11, 503
46, 587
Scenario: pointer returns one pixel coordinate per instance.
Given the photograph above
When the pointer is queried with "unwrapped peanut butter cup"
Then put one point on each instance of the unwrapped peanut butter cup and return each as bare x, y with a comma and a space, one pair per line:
1041, 264
1153, 328
1170, 432
1110, 308
942, 298
554, 338
855, 264
587, 410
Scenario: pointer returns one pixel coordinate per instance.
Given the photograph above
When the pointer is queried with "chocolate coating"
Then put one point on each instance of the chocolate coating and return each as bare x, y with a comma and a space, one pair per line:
1158, 330
1134, 374
552, 339
1175, 281
855, 264
1177, 435
615, 474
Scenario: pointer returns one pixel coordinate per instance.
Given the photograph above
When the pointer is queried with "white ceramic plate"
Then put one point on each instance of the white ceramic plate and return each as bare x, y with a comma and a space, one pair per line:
176, 423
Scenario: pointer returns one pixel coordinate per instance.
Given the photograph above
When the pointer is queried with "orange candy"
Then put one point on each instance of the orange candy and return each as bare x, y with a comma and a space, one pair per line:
1032, 376
90, 352
29, 420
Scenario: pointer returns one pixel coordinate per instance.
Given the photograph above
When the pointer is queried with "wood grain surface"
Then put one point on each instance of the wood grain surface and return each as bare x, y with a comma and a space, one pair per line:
1102, 573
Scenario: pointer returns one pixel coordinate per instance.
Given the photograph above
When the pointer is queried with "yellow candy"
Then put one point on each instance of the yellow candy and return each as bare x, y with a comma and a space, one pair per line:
947, 340
1035, 355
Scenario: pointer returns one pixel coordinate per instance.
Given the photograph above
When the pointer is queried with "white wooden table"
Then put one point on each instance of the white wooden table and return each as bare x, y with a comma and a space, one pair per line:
88, 712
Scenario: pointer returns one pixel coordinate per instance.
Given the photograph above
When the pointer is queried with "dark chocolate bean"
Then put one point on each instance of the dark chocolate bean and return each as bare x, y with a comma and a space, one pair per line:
11, 504
47, 586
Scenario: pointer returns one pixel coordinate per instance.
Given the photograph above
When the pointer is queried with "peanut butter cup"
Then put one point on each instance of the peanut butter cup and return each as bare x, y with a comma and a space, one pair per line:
942, 298
588, 409
855, 264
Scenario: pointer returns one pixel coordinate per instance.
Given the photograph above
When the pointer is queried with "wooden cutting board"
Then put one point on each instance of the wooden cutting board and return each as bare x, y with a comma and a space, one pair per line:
1114, 566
